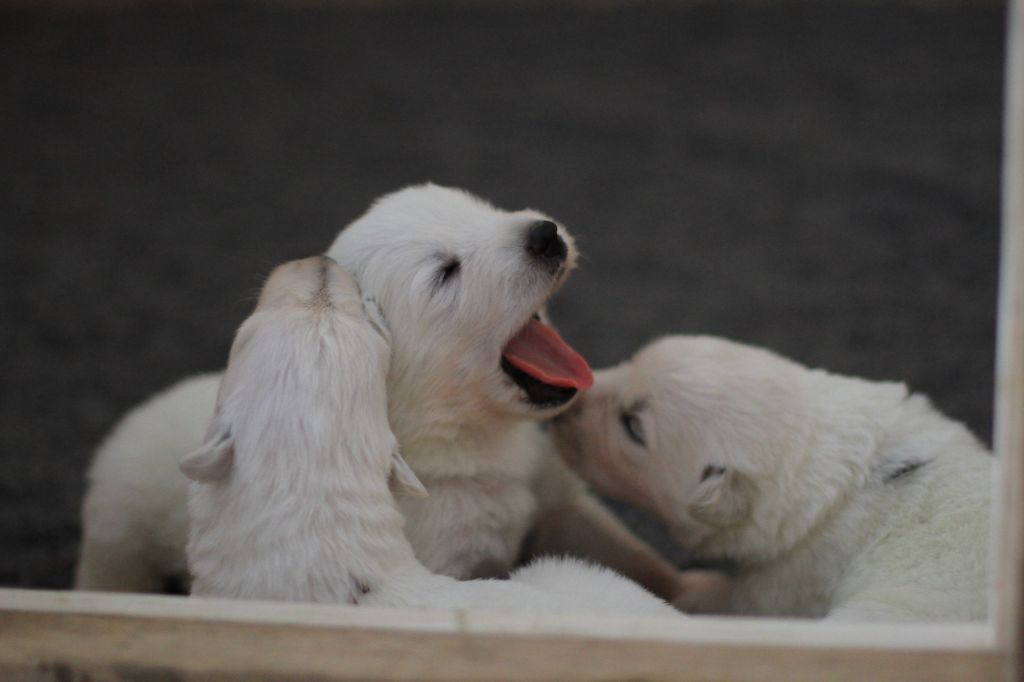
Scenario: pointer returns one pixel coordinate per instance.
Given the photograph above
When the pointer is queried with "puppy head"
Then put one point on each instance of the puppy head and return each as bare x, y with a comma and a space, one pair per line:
741, 452
463, 286
305, 374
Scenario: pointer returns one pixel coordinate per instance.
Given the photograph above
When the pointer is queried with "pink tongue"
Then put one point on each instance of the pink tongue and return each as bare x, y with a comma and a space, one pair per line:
539, 351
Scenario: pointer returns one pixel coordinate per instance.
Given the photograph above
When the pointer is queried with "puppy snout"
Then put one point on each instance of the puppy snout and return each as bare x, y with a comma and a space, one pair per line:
543, 242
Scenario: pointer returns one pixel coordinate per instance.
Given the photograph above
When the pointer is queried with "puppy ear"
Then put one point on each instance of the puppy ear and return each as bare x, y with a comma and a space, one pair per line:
404, 478
376, 317
212, 461
722, 499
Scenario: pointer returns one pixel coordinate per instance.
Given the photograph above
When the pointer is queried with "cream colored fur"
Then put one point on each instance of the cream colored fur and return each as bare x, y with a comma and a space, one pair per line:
290, 496
134, 518
463, 426
834, 495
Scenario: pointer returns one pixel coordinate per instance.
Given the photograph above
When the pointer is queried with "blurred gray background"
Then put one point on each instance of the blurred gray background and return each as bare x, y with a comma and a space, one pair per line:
820, 178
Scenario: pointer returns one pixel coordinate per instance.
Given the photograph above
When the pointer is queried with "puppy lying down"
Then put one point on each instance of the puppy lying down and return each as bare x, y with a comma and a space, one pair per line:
290, 494
834, 495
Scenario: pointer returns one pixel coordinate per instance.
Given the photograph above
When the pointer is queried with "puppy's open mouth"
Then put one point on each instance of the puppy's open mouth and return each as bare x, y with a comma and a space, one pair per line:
544, 365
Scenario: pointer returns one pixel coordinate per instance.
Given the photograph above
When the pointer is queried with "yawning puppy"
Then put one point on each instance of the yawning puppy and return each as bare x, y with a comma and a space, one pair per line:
463, 286
833, 495
290, 497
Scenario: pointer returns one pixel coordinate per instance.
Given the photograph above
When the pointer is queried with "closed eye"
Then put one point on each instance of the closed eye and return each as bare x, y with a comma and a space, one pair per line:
447, 273
633, 427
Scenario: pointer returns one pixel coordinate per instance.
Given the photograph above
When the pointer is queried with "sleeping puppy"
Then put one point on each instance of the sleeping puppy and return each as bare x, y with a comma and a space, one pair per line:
290, 496
834, 496
474, 369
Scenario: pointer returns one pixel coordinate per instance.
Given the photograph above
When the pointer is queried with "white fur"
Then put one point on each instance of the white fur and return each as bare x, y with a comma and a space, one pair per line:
792, 473
463, 426
290, 498
134, 517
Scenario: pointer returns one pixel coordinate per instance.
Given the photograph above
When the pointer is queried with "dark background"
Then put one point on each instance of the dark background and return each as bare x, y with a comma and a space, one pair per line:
818, 177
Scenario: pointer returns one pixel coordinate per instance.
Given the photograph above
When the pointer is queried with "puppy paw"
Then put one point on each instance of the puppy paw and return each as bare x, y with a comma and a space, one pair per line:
703, 592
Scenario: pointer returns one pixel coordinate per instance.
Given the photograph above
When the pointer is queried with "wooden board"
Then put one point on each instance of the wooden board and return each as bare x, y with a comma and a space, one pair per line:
84, 636
1009, 427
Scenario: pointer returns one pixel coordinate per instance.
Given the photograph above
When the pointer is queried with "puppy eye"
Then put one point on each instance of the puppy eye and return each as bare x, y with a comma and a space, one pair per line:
447, 272
711, 470
633, 427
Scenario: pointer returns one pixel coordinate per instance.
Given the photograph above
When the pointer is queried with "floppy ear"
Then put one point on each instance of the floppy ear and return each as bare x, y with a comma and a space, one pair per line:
722, 499
212, 461
404, 479
376, 317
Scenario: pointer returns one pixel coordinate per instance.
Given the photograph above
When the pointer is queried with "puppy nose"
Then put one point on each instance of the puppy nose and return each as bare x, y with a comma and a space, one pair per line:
543, 241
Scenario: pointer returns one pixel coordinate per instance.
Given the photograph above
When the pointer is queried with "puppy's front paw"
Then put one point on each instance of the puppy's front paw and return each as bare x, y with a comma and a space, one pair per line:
703, 592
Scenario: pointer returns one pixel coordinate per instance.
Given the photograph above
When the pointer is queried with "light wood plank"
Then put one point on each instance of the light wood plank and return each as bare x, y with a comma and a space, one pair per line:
197, 640
703, 630
1009, 427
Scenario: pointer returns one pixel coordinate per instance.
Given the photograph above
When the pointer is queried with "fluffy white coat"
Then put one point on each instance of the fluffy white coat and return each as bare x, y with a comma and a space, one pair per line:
290, 497
835, 496
466, 429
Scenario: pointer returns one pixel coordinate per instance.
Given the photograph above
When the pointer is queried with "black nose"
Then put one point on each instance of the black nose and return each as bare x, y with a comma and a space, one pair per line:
543, 241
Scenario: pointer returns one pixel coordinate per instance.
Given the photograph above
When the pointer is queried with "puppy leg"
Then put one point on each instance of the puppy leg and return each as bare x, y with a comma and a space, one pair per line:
583, 527
122, 550
115, 567
570, 521
704, 592
134, 515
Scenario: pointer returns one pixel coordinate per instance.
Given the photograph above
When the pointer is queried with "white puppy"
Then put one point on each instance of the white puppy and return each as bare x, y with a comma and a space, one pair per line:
290, 498
462, 285
833, 495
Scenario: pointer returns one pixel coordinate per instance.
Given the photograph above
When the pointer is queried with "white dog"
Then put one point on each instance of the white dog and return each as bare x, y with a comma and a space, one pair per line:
462, 285
833, 495
291, 498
